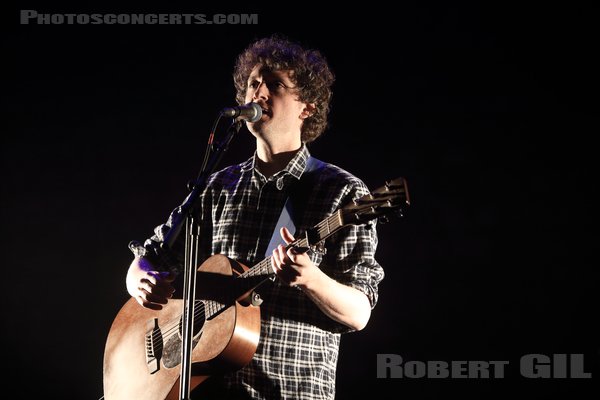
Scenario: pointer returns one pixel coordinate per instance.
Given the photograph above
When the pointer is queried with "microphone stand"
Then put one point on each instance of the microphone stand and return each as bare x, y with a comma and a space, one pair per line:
214, 154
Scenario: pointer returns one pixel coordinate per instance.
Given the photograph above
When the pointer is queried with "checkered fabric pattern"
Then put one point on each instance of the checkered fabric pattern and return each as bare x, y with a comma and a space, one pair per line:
298, 350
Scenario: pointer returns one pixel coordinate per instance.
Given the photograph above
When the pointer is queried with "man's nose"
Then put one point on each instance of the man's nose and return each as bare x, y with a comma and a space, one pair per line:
261, 92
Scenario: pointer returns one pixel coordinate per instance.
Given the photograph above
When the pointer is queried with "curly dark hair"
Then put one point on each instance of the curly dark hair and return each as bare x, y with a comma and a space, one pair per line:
311, 74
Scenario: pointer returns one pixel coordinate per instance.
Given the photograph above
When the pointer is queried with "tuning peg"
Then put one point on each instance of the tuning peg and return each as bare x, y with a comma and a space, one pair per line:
383, 219
393, 184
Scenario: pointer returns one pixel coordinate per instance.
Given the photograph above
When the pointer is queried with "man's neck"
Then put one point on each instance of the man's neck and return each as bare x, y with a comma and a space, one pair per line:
272, 159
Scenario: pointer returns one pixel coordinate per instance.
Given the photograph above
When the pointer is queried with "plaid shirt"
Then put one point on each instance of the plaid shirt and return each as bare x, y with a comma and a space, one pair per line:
298, 349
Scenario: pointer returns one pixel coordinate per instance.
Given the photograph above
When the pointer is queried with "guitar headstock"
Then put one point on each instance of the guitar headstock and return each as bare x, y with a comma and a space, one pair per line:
391, 198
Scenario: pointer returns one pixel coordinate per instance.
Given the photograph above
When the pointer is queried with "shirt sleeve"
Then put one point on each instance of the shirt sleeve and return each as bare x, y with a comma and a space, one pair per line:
353, 262
172, 258
153, 248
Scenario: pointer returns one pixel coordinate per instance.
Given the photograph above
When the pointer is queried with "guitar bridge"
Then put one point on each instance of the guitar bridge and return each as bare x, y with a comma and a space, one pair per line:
154, 346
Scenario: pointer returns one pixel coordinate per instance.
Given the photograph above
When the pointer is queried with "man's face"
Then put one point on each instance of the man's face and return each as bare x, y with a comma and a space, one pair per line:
276, 93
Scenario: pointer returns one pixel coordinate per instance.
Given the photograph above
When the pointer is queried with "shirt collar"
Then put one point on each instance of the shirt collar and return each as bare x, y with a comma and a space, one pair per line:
295, 167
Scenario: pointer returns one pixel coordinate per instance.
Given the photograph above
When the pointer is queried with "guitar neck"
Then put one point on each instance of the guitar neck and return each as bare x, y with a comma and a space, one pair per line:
312, 237
392, 197
261, 272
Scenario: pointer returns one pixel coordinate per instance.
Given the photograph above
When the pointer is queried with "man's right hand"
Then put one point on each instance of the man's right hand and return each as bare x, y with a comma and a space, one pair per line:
149, 287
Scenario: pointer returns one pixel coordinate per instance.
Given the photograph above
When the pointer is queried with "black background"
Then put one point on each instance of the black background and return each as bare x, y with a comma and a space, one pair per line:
485, 110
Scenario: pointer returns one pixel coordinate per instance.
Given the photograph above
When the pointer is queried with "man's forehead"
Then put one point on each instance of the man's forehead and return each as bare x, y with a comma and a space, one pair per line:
266, 72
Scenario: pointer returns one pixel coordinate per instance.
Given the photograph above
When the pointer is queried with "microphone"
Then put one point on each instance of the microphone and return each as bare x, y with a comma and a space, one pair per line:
251, 112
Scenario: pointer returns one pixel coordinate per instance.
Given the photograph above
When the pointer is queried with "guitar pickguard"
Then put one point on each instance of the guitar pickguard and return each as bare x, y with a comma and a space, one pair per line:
172, 350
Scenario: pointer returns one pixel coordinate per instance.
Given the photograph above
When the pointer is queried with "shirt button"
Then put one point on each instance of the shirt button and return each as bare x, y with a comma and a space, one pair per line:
279, 183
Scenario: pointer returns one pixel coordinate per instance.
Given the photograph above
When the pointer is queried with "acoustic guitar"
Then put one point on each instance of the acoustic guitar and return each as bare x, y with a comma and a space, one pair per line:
142, 354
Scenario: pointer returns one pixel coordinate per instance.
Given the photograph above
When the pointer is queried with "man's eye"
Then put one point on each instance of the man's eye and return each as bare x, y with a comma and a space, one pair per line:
277, 85
253, 84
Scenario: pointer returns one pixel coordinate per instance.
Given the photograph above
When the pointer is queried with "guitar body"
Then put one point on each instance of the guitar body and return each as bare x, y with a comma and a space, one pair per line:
142, 349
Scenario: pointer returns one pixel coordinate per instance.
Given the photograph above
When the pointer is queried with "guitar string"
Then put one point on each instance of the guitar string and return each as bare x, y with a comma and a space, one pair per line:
324, 228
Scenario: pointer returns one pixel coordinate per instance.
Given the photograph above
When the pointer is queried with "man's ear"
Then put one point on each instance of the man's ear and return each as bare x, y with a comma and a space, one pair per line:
309, 109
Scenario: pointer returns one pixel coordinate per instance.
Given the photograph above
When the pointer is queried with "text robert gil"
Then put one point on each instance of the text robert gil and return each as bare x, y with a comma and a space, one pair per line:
530, 366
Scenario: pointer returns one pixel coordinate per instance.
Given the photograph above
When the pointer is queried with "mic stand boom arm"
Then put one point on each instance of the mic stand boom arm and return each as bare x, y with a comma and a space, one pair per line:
213, 157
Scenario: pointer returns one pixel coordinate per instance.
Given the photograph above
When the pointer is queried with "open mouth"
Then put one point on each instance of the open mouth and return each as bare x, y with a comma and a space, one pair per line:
265, 110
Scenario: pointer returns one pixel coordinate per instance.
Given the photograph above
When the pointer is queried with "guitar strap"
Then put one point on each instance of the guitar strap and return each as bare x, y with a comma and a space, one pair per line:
293, 209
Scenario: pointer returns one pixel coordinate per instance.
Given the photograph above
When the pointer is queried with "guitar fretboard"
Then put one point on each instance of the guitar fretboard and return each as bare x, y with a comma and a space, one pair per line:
263, 269
323, 230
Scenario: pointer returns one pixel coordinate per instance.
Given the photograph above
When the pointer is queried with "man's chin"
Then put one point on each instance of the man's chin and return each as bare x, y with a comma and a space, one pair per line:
255, 128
